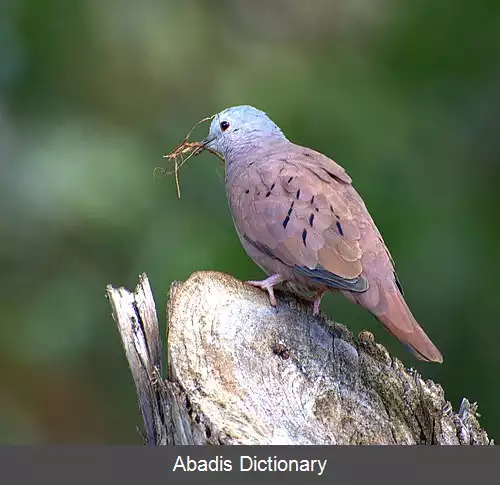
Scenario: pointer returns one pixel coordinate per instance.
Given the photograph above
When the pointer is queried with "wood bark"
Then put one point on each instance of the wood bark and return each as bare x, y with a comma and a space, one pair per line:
242, 372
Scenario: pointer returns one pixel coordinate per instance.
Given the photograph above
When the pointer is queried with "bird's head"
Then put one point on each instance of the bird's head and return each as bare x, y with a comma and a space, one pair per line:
239, 126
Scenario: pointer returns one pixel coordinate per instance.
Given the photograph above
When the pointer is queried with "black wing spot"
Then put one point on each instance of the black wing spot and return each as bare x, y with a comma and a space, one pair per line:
290, 179
291, 208
306, 154
312, 199
268, 194
272, 186
247, 191
339, 227
317, 210
298, 194
286, 221
311, 219
304, 236
398, 284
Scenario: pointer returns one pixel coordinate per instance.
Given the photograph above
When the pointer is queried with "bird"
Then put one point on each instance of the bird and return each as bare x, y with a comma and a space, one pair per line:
300, 219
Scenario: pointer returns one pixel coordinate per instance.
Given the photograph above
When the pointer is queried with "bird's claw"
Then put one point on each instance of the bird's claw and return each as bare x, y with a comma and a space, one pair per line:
268, 285
268, 288
317, 301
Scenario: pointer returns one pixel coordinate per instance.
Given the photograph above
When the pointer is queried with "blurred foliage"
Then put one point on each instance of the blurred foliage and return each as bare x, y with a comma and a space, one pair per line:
405, 95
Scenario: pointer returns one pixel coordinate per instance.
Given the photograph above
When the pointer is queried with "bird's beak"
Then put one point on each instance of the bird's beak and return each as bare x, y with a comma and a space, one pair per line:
204, 144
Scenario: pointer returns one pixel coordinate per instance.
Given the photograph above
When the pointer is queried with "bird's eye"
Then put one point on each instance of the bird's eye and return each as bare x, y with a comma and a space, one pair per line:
224, 125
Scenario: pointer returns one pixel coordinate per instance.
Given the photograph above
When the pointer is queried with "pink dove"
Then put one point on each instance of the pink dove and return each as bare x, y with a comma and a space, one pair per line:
300, 219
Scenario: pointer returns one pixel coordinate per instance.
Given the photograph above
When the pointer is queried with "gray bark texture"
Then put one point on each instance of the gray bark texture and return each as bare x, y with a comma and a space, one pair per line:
242, 372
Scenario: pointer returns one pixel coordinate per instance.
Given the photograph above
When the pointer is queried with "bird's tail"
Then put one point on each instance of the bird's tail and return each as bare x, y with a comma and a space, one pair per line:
397, 318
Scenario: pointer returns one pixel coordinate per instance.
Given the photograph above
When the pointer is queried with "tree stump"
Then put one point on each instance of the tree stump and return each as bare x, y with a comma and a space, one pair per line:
242, 372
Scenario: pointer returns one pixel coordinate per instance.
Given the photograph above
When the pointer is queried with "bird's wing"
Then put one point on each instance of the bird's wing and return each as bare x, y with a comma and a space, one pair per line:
293, 208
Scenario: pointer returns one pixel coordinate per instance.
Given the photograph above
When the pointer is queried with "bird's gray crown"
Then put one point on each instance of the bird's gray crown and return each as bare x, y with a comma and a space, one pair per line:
238, 127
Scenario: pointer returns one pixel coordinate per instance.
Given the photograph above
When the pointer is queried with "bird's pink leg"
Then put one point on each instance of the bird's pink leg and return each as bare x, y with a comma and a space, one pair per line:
268, 285
317, 301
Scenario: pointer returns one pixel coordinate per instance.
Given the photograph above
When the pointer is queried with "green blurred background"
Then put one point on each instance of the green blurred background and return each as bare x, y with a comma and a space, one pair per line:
405, 95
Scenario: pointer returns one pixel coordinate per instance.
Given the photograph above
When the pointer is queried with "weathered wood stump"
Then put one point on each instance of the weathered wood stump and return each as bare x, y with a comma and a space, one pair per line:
242, 372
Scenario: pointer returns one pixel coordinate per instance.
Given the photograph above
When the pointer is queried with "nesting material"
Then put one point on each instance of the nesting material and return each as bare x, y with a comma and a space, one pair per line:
183, 152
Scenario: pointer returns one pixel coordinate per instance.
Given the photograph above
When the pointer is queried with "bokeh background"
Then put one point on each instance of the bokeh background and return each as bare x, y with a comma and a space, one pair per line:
405, 95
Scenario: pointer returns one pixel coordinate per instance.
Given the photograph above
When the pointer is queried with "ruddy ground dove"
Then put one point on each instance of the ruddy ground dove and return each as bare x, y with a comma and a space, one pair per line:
301, 220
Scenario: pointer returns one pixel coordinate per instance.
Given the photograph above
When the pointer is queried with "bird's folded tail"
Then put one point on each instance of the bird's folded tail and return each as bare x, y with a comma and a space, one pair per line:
397, 318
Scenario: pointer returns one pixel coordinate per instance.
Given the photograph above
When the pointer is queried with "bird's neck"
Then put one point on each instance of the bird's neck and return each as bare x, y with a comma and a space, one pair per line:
242, 155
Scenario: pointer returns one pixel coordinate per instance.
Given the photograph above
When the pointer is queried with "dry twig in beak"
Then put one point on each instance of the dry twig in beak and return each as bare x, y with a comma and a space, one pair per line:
184, 152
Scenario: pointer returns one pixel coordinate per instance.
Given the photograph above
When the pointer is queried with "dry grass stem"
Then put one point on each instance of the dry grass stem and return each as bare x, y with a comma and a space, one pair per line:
183, 152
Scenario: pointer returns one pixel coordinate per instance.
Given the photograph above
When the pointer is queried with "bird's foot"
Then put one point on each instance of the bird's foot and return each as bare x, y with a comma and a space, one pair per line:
268, 285
317, 301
